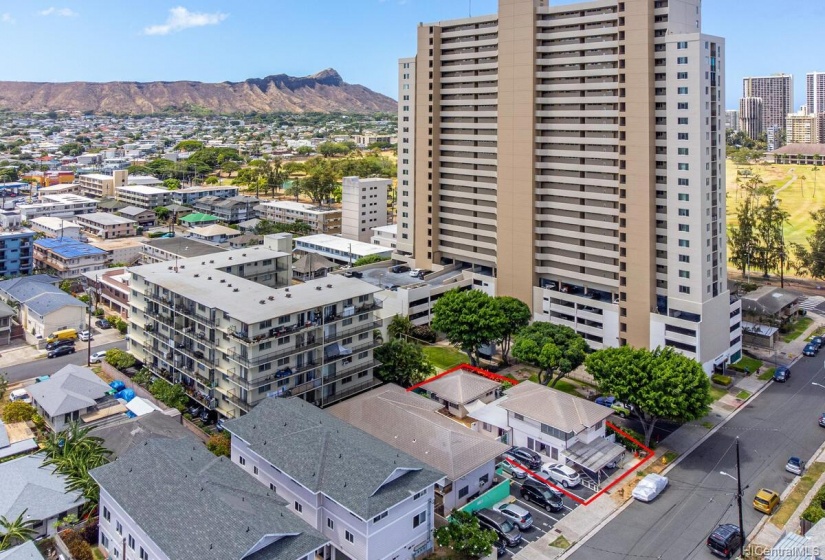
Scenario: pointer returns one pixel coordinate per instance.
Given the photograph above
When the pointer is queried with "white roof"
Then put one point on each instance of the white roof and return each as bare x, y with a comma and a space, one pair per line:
51, 222
140, 406
214, 229
300, 207
392, 228
104, 218
142, 189
341, 245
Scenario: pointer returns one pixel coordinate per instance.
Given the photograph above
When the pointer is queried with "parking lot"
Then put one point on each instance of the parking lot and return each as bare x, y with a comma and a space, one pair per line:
383, 278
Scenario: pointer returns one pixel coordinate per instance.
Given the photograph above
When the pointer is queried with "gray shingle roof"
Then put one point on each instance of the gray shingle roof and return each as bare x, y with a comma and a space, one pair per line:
44, 304
768, 299
554, 408
121, 436
411, 423
227, 512
22, 290
461, 387
329, 456
27, 485
70, 388
26, 551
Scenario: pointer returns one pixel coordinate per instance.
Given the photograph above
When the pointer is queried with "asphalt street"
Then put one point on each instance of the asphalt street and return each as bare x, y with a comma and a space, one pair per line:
780, 422
44, 366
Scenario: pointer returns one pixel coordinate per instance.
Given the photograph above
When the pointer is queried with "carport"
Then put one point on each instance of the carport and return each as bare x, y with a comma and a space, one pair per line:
594, 457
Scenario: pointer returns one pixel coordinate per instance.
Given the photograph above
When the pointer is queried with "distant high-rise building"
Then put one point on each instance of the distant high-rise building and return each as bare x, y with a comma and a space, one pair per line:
750, 117
815, 92
803, 127
776, 93
572, 156
732, 120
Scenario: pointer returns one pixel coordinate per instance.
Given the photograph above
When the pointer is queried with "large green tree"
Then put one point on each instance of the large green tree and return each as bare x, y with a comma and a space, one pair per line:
465, 536
470, 319
517, 316
400, 327
16, 531
659, 384
770, 224
810, 259
555, 349
403, 362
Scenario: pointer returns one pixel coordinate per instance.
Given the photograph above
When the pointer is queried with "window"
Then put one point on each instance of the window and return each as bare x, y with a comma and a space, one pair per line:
682, 135
682, 91
518, 416
298, 507
104, 540
681, 75
482, 480
684, 243
273, 487
684, 289
378, 518
131, 542
684, 258
330, 523
684, 197
419, 519
684, 274
684, 167
681, 45
684, 212
265, 324
682, 120
418, 495
255, 470
349, 536
241, 461
682, 60
682, 105
683, 182
107, 515
118, 528
464, 491
143, 554
683, 151
684, 227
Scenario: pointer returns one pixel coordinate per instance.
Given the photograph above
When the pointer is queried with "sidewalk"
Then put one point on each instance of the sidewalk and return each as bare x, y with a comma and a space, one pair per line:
584, 521
22, 353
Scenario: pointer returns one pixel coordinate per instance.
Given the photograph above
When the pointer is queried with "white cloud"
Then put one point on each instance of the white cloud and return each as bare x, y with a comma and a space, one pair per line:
6, 18
62, 12
180, 18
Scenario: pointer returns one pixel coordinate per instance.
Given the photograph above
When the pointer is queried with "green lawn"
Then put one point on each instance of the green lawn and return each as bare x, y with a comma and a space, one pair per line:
767, 375
562, 385
743, 395
717, 392
818, 332
444, 357
747, 362
797, 329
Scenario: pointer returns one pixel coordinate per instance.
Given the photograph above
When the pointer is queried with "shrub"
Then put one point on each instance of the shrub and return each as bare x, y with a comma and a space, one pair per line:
78, 548
170, 394
748, 286
220, 445
18, 411
720, 379
119, 359
425, 333
143, 377
814, 512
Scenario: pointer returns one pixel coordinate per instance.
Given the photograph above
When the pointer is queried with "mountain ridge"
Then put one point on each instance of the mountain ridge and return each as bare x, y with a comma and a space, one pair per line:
324, 92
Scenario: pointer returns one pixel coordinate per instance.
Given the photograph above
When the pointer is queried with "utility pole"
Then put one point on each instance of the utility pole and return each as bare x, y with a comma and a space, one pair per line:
739, 499
93, 297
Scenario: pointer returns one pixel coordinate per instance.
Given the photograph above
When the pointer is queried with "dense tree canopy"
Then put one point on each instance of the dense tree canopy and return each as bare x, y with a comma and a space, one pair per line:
465, 536
517, 316
555, 349
470, 319
403, 362
810, 259
658, 384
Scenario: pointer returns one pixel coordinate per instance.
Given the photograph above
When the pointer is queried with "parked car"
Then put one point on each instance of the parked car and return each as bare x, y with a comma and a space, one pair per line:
20, 395
810, 350
103, 324
60, 351
795, 465
822, 419
219, 424
525, 456
766, 501
97, 357
522, 518
85, 336
782, 374
59, 343
542, 495
561, 474
492, 519
818, 340
622, 409
513, 470
195, 410
399, 268
416, 271
725, 540
649, 487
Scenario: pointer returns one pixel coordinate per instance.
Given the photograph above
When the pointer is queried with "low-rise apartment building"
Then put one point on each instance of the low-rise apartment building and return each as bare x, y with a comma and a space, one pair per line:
144, 196
169, 249
190, 195
67, 258
101, 185
320, 219
363, 206
55, 227
125, 250
16, 256
371, 500
144, 217
233, 331
107, 226
112, 288
339, 249
58, 205
230, 210
385, 236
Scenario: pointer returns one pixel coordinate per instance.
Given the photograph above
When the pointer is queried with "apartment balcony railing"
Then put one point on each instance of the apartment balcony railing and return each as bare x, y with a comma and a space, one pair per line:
348, 392
275, 332
357, 329
279, 374
270, 356
344, 372
242, 404
353, 350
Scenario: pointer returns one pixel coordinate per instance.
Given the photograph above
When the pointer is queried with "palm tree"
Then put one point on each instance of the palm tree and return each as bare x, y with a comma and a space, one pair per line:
17, 531
815, 168
802, 184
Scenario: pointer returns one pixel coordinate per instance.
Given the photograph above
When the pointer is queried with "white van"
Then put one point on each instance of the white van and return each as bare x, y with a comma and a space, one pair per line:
20, 395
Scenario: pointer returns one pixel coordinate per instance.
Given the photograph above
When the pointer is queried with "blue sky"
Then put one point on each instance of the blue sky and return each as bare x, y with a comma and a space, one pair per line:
217, 40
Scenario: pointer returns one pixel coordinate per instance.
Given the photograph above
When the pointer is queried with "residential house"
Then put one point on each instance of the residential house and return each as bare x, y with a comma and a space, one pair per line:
110, 205
16, 257
144, 217
16, 438
310, 266
146, 493
74, 394
461, 390
320, 219
51, 226
213, 234
338, 249
562, 427
107, 226
26, 551
249, 226
190, 195
230, 210
67, 258
29, 486
57, 205
198, 219
7, 313
233, 329
413, 424
170, 249
770, 305
144, 196
371, 500
245, 240
792, 546
127, 433
42, 307
363, 206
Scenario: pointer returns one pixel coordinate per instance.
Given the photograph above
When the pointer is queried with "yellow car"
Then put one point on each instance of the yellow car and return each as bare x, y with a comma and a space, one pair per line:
766, 501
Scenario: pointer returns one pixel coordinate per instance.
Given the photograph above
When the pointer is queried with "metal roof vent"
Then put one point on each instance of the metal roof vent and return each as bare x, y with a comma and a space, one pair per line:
263, 301
271, 298
235, 290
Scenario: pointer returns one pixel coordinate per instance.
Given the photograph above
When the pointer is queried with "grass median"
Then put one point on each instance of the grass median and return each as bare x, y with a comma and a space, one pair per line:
794, 499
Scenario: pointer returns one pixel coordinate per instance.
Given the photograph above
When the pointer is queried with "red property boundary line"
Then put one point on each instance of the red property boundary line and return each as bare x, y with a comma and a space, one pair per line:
591, 499
467, 367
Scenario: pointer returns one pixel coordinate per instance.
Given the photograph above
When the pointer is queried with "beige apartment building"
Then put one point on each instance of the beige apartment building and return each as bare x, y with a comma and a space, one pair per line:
320, 219
106, 226
363, 206
803, 127
100, 185
572, 156
233, 331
